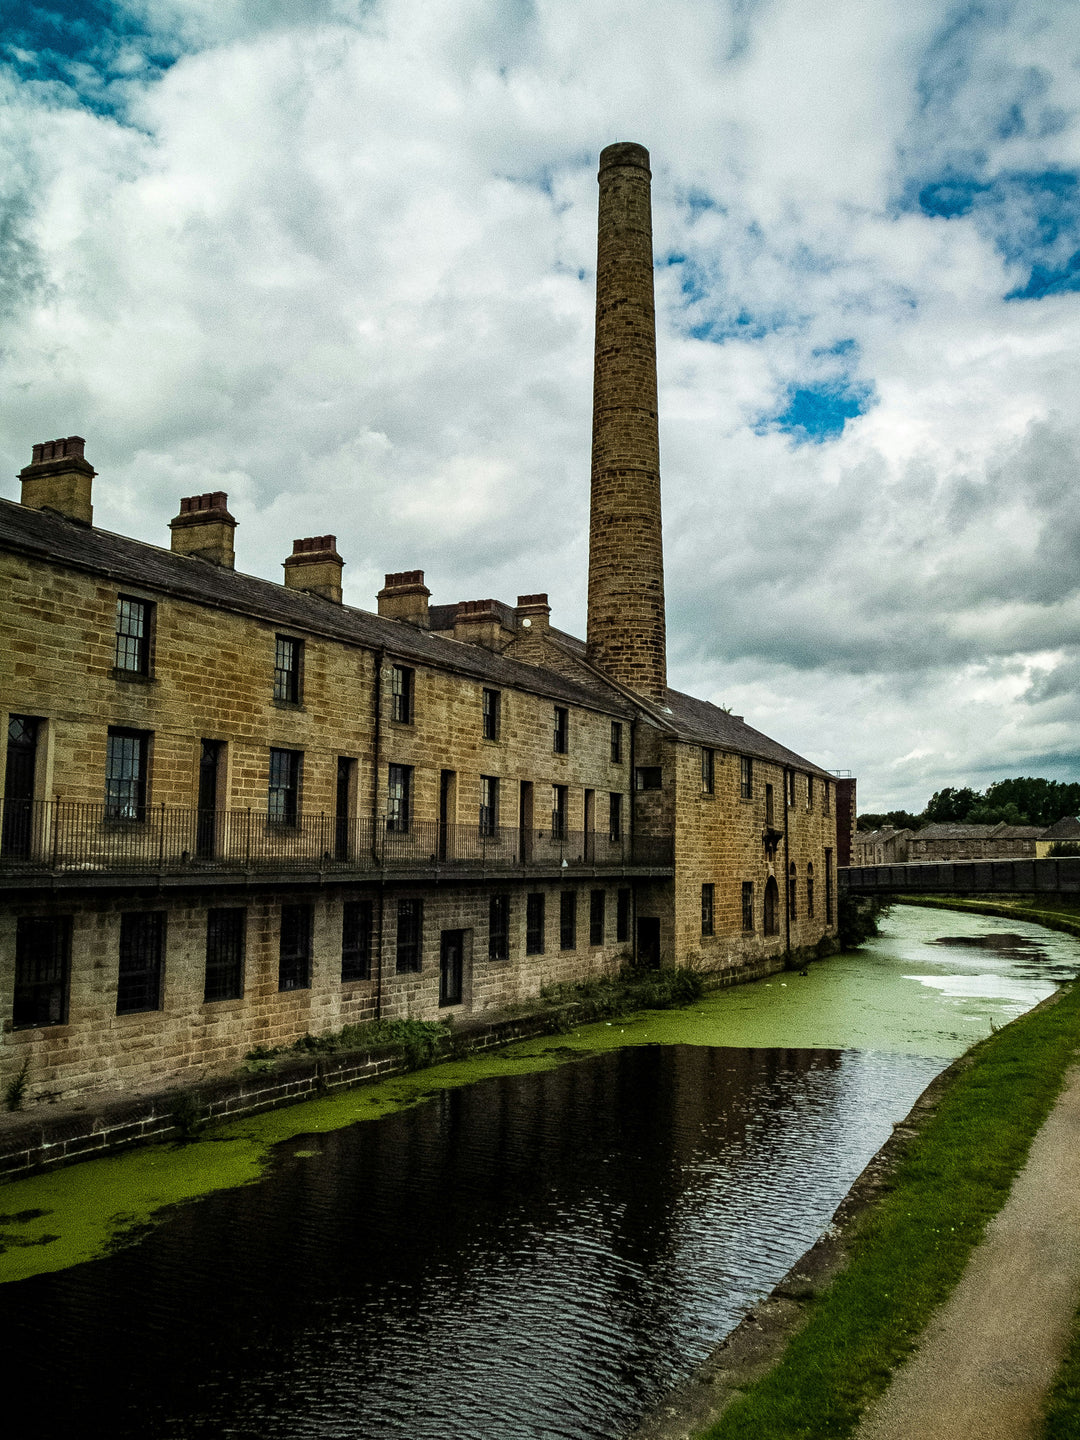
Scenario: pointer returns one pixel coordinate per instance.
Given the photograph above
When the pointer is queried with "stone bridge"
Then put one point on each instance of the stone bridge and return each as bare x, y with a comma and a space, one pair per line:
966, 877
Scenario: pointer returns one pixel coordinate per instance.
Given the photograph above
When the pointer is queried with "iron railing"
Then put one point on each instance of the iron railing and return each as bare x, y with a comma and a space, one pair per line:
68, 836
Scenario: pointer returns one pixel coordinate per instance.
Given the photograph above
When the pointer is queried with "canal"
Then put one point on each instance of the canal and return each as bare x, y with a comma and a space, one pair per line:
536, 1244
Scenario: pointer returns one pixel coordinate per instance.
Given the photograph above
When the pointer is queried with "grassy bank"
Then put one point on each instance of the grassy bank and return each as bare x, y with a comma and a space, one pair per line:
1055, 916
909, 1251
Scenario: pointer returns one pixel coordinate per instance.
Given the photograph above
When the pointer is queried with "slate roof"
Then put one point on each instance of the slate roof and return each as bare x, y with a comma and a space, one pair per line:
1067, 828
978, 832
135, 563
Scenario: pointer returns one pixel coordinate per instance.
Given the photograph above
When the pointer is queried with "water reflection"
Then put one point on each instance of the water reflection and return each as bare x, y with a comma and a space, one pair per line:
535, 1256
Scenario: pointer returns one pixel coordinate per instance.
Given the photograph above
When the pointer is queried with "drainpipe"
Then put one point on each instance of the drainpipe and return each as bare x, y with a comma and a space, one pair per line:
376, 749
787, 878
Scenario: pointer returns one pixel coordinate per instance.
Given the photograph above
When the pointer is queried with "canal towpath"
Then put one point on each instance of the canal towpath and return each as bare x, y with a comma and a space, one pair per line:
985, 1363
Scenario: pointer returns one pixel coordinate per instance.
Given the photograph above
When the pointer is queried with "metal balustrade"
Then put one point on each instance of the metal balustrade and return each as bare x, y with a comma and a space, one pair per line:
61, 836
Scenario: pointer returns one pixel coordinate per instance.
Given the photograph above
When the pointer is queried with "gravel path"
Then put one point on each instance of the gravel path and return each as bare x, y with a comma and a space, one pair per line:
988, 1357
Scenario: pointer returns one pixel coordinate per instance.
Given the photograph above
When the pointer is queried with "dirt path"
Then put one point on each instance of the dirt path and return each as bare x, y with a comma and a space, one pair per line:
987, 1359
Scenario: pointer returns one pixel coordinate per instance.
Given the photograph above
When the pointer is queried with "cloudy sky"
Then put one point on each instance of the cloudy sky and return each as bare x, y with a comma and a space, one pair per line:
337, 259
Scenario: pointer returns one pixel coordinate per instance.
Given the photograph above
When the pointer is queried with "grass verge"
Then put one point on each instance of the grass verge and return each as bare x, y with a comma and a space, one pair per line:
1063, 1405
909, 1251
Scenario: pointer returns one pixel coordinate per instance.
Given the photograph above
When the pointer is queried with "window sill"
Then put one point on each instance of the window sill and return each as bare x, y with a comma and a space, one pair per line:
708, 795
131, 677
287, 704
403, 724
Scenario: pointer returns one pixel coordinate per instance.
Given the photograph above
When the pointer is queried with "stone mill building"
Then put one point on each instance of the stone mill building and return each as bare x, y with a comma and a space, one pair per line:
237, 812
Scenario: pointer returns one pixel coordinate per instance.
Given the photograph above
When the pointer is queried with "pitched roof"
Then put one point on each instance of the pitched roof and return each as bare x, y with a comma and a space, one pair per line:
135, 563
1067, 828
978, 832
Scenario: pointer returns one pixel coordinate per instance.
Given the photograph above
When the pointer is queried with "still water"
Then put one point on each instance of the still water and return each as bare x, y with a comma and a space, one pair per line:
537, 1254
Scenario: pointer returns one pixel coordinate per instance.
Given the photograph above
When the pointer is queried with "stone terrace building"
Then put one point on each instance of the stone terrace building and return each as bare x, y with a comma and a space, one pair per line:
236, 812
973, 842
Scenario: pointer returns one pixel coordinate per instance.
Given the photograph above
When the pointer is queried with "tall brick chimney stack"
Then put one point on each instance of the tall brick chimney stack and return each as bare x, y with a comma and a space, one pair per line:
626, 631
59, 477
205, 528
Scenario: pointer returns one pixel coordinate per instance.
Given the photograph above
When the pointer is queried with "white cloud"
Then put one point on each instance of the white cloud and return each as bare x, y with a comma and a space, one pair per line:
340, 265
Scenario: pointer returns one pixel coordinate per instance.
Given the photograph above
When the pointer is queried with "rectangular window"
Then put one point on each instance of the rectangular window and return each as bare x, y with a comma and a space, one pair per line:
42, 971
133, 635
769, 814
410, 930
792, 892
616, 742
399, 798
809, 792
614, 816
622, 916
499, 927
828, 886
534, 925
401, 694
748, 905
225, 931
287, 653
125, 774
648, 777
746, 777
789, 776
568, 920
562, 730
283, 793
597, 905
356, 940
810, 891
826, 798
294, 951
142, 949
558, 812
489, 804
491, 714
708, 770
707, 896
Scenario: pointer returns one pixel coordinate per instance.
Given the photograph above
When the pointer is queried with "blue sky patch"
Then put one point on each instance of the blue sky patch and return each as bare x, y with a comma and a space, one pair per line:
818, 412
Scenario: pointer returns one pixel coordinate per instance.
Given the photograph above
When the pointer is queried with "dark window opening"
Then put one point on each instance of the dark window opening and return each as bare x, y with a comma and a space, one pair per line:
828, 882
558, 812
20, 773
772, 907
356, 926
125, 774
133, 635
769, 812
294, 954
534, 925
707, 894
616, 742
746, 777
615, 817
489, 804
399, 798
810, 890
708, 770
42, 971
287, 653
568, 920
491, 714
792, 892
826, 798
809, 792
622, 916
499, 927
789, 776
410, 927
648, 777
225, 931
142, 947
401, 694
283, 794
562, 730
597, 906
748, 905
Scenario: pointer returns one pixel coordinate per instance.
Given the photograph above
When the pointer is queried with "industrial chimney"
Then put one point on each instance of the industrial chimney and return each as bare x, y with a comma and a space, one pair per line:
626, 631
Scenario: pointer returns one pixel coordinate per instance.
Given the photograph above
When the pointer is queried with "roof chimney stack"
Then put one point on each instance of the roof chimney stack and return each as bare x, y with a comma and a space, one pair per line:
315, 566
59, 478
204, 528
405, 597
626, 630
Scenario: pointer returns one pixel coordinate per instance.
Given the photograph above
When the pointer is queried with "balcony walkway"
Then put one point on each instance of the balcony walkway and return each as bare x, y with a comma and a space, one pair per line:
72, 845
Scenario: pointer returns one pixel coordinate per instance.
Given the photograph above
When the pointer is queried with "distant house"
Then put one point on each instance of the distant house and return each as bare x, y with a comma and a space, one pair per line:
1066, 829
881, 847
974, 842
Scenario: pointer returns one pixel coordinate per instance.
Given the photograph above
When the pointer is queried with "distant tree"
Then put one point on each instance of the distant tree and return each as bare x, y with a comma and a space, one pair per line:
987, 814
896, 819
1039, 802
950, 806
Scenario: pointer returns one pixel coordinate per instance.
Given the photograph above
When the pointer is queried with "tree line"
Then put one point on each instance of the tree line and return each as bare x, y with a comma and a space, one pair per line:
1025, 800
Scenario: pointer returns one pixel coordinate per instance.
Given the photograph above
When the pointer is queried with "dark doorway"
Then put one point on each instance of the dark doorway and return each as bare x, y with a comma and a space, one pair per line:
342, 806
648, 941
19, 774
525, 821
446, 811
206, 823
451, 967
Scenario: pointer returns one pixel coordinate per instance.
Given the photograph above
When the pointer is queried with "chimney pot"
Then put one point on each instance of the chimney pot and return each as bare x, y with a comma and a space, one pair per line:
204, 528
405, 597
60, 478
315, 566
